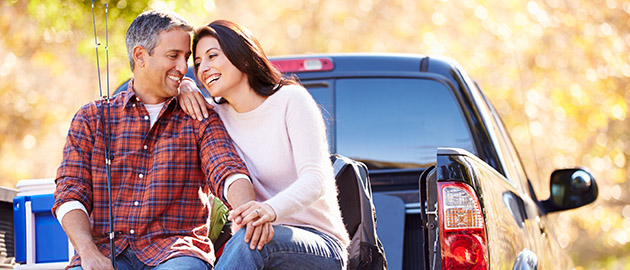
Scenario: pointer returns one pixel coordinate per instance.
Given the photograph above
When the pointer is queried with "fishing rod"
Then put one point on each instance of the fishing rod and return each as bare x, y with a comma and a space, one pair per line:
106, 128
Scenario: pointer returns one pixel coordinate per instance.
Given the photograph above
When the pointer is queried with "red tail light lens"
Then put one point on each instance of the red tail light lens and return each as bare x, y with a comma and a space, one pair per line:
462, 227
302, 65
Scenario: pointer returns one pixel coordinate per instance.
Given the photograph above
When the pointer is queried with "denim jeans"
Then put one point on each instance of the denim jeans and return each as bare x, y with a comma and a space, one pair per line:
127, 260
290, 248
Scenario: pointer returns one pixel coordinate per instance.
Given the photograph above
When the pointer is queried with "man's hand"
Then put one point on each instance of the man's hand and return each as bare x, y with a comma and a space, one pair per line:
77, 226
192, 101
95, 260
257, 218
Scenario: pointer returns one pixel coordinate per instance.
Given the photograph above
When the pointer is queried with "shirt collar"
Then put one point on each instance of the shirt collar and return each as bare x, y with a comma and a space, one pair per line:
130, 96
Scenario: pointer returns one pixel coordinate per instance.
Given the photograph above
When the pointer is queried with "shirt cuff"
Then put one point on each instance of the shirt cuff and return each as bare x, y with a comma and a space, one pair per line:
67, 207
231, 180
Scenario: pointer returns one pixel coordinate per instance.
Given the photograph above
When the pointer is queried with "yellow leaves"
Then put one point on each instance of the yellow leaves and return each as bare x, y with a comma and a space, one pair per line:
619, 108
49, 61
556, 70
8, 64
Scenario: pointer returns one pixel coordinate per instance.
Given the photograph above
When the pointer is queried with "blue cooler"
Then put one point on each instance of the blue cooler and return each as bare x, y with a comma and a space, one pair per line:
40, 242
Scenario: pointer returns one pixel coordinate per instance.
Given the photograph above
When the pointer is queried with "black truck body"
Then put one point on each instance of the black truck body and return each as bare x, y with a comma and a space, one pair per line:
449, 187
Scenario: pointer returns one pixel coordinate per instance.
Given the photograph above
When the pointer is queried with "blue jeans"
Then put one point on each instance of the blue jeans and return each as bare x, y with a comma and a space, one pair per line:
290, 248
127, 260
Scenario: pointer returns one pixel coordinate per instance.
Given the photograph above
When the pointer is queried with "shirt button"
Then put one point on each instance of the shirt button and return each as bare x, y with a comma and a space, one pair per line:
146, 117
145, 147
131, 231
137, 99
140, 175
133, 105
136, 203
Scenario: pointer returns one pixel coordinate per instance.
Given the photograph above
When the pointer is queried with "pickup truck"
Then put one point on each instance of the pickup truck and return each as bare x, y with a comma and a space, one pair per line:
450, 190
448, 185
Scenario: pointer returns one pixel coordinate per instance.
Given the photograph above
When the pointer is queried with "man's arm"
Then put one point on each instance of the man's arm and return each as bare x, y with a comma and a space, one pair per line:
240, 192
220, 161
74, 184
77, 226
247, 210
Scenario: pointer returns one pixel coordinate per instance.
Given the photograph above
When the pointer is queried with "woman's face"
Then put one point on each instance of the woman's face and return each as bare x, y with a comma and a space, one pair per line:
215, 70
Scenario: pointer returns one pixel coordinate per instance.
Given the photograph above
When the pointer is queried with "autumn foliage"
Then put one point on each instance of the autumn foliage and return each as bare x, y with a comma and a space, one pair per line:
557, 71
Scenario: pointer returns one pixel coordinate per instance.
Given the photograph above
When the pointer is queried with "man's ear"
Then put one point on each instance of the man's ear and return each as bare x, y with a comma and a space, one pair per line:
138, 54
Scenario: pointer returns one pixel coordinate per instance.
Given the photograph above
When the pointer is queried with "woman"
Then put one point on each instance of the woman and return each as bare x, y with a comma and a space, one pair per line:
280, 133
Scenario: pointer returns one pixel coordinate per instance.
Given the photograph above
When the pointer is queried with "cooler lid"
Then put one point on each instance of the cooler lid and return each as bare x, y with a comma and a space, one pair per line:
36, 187
7, 194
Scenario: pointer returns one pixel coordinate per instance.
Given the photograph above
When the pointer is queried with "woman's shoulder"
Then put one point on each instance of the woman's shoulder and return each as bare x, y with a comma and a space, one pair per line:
293, 91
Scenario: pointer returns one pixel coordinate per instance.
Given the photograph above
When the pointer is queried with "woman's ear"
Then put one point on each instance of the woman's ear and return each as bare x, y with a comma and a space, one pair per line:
138, 54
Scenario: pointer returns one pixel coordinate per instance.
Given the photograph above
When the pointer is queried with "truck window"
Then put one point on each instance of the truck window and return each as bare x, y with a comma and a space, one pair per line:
396, 123
322, 95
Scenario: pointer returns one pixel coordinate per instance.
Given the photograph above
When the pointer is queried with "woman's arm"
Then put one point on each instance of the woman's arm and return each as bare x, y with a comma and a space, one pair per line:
192, 101
307, 134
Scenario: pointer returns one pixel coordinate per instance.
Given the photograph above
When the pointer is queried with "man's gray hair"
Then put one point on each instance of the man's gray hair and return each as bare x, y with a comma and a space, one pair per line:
144, 30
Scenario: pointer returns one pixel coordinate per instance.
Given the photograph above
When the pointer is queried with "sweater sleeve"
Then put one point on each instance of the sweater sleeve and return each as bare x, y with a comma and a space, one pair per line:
307, 134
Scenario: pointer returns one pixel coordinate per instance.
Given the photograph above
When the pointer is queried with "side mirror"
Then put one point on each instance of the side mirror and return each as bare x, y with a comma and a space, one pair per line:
570, 188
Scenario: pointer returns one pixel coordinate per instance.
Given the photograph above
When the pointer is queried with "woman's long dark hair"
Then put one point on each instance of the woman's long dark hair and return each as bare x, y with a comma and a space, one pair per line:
244, 52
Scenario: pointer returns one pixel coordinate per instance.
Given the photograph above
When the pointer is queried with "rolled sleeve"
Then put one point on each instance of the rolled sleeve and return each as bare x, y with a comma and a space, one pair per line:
218, 156
74, 179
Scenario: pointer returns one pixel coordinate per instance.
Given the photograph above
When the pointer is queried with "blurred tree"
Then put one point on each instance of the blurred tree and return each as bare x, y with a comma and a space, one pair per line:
557, 71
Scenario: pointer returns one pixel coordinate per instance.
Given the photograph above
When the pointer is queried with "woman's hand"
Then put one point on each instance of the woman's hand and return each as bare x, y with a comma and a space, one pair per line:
192, 101
257, 218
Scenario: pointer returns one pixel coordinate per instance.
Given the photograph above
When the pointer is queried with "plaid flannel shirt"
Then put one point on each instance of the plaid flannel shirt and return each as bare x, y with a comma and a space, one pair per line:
160, 177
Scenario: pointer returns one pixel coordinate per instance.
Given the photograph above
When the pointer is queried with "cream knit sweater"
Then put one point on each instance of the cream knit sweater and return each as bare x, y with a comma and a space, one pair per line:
283, 143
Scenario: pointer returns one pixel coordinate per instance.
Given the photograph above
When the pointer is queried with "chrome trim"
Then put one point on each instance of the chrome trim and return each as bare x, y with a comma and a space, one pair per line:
412, 208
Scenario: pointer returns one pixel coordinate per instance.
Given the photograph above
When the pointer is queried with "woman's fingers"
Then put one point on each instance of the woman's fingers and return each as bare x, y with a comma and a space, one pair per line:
190, 107
250, 215
192, 101
256, 218
203, 104
239, 210
267, 214
186, 104
257, 214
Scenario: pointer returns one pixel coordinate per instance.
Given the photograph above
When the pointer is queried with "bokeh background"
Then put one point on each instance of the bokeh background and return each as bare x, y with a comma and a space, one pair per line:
558, 71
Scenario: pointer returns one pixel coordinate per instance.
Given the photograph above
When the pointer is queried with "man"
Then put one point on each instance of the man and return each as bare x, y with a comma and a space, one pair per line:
164, 164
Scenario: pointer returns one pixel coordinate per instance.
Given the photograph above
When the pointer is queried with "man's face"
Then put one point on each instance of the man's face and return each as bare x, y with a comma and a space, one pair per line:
165, 68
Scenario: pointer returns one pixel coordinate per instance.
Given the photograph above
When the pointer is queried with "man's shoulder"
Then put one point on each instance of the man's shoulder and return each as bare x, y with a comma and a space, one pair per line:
93, 107
210, 123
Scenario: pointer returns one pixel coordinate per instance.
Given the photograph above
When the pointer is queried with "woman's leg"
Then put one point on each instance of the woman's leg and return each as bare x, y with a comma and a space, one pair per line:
184, 263
290, 248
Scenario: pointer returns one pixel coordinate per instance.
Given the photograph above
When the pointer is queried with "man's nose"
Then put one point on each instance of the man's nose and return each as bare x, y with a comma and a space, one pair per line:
182, 66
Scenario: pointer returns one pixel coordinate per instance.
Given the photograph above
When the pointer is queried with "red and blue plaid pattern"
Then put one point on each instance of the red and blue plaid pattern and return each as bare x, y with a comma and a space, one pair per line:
161, 177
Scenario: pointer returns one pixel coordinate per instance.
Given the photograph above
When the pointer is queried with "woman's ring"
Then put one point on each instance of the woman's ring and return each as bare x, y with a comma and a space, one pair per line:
257, 212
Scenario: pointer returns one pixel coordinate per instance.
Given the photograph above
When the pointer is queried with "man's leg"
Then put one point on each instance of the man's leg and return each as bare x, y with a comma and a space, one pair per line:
290, 248
123, 261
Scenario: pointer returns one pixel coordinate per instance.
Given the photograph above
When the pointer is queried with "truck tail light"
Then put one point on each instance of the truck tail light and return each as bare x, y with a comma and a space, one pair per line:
462, 227
302, 65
